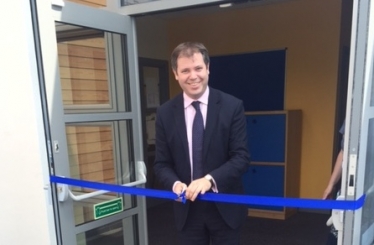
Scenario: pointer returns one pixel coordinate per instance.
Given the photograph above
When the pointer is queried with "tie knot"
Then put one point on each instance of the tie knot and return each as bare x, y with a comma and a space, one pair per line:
196, 105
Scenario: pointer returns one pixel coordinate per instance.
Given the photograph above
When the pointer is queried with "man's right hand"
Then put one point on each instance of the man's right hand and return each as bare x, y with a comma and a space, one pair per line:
179, 188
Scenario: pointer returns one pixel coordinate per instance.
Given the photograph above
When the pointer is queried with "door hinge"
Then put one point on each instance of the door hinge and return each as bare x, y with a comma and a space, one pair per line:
50, 156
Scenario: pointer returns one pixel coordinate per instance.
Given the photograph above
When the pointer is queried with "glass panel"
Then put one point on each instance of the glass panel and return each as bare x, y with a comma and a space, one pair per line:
96, 154
131, 2
83, 72
151, 78
92, 3
372, 92
87, 82
368, 210
151, 82
117, 233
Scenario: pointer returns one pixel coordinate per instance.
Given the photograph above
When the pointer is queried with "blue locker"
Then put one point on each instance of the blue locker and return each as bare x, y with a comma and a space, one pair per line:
266, 137
264, 181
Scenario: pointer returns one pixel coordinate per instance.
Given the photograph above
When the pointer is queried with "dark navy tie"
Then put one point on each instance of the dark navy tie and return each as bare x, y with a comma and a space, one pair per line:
197, 142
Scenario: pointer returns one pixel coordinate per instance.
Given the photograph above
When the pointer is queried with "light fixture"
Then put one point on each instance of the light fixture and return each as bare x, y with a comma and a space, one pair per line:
225, 5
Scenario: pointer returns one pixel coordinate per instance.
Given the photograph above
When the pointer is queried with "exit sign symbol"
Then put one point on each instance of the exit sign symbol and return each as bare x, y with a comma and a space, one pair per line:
107, 208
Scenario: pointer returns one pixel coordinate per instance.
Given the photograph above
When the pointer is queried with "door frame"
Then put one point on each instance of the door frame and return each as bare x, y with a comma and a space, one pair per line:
163, 84
80, 15
358, 114
354, 113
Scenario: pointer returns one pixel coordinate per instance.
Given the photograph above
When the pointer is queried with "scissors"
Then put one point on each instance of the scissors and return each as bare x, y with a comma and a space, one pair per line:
182, 196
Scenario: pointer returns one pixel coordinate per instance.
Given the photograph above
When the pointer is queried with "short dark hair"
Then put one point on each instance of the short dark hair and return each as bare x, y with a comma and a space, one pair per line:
188, 49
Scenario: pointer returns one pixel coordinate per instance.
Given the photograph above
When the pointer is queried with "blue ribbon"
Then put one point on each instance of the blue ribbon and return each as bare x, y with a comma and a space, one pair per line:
215, 197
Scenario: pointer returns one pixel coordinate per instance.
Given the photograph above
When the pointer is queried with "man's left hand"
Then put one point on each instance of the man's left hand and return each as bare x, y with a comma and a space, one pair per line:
198, 186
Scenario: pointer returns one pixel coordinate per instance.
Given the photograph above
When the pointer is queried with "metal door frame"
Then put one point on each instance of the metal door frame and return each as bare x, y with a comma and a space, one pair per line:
77, 14
358, 114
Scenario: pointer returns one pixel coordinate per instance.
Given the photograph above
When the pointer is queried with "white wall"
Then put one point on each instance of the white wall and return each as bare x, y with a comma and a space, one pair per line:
26, 215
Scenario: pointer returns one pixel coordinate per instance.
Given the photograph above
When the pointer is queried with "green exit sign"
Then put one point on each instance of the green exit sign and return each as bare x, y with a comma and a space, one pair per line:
107, 208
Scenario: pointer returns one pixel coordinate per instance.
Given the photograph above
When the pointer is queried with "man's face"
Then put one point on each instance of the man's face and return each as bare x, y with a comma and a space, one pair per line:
192, 75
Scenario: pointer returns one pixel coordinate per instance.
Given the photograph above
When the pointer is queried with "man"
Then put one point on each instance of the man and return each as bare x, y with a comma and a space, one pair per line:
215, 164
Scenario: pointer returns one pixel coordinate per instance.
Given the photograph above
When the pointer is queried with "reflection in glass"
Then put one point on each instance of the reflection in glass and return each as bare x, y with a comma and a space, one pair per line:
95, 3
91, 152
372, 93
93, 74
117, 233
83, 72
368, 210
132, 2
96, 155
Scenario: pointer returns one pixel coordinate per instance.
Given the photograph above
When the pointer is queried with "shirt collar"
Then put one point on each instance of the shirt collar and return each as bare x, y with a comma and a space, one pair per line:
203, 99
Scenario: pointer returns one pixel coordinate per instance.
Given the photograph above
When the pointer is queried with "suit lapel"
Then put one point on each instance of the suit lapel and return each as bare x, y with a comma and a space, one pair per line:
214, 105
180, 123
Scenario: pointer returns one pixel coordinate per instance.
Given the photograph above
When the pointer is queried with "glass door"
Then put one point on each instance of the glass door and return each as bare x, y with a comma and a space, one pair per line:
93, 100
358, 164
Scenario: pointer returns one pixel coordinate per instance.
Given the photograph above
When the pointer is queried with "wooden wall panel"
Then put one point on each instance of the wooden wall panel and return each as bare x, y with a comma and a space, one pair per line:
79, 73
86, 84
93, 42
92, 3
91, 153
82, 62
66, 48
83, 72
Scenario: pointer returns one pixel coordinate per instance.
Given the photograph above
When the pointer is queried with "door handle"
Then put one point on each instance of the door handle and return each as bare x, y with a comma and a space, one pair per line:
63, 190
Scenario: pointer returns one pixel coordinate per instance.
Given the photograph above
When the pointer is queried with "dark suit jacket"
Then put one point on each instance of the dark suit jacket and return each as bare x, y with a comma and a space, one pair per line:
225, 154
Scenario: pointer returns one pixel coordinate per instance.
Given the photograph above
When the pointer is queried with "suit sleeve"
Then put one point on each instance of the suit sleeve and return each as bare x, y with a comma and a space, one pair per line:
163, 164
